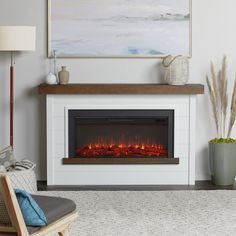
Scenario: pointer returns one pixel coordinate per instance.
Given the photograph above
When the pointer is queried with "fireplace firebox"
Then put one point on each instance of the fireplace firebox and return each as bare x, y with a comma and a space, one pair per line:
121, 135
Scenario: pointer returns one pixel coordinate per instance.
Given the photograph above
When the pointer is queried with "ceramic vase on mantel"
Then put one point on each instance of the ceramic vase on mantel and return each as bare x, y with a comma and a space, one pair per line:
51, 79
63, 75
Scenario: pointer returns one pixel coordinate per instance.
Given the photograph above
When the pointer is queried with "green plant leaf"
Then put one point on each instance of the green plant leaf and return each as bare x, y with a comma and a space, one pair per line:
223, 140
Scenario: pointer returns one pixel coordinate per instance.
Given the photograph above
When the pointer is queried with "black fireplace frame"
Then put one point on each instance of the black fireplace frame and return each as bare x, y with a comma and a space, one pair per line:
119, 114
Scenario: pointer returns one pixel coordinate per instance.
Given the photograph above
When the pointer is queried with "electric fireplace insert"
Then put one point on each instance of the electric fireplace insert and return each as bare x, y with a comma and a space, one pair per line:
114, 135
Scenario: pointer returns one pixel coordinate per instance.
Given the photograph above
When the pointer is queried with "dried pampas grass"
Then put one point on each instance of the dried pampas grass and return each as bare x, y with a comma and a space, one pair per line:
214, 104
219, 100
223, 94
232, 111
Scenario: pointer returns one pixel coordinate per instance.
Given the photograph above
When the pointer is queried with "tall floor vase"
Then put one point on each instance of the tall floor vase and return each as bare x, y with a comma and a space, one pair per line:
222, 163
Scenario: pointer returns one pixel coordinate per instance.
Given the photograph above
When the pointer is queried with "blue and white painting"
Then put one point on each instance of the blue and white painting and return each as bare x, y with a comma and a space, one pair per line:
119, 28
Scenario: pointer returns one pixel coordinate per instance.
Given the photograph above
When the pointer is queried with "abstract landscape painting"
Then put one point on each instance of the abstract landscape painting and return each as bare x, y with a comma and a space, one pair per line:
119, 28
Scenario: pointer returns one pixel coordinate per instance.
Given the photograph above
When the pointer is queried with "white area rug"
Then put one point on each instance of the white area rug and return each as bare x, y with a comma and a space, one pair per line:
128, 213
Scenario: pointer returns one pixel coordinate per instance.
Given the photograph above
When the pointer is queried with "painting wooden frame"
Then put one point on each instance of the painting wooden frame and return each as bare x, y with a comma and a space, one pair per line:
69, 41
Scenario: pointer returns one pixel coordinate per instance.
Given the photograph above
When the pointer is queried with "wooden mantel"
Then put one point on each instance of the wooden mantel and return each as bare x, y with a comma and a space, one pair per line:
190, 89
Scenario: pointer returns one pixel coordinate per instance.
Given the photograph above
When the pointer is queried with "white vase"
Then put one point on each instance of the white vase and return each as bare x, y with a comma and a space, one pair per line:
51, 79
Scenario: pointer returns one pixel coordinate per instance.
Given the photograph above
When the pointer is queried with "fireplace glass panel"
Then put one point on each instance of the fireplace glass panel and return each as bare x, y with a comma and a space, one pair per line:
111, 134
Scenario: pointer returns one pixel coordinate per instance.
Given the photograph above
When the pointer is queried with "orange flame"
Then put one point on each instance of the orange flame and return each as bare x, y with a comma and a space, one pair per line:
122, 150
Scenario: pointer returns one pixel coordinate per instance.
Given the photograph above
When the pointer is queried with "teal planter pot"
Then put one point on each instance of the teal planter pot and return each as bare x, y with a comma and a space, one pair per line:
222, 163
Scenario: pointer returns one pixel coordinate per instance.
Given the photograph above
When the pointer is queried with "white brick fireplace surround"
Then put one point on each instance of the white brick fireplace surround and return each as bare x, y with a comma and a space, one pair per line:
184, 107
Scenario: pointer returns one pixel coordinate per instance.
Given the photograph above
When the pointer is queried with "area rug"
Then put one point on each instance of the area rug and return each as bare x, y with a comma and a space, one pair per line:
141, 213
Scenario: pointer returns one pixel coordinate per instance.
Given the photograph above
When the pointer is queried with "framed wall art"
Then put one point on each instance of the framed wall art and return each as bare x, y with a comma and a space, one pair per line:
119, 28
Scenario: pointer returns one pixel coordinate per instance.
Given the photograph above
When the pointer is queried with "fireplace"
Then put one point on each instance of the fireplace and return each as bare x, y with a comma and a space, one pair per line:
64, 168
121, 136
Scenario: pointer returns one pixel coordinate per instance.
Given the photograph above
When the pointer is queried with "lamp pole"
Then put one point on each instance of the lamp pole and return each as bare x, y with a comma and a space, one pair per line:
11, 99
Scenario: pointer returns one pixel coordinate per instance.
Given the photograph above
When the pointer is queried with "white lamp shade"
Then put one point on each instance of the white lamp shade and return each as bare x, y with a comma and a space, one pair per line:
17, 38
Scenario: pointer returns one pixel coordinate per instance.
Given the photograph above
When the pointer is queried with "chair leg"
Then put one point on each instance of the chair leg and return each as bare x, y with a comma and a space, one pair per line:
64, 232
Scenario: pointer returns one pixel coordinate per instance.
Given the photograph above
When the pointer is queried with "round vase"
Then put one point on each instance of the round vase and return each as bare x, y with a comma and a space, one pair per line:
63, 75
222, 163
51, 79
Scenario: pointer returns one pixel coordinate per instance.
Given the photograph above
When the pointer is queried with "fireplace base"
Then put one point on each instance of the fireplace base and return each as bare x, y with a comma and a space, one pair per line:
120, 160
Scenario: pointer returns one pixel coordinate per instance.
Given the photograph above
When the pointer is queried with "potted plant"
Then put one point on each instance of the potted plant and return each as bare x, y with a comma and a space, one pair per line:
222, 149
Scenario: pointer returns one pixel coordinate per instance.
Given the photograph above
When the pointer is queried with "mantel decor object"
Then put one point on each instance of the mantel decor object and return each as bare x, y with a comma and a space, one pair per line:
51, 79
176, 69
63, 75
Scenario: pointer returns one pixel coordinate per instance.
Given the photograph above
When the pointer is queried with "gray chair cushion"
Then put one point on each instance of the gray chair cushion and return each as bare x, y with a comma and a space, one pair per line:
53, 207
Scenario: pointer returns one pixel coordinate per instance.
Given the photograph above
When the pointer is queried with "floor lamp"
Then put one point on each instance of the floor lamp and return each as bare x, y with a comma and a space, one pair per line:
13, 39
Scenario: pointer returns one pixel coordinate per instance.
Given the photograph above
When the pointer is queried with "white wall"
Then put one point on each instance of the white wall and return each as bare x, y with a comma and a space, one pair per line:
214, 24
